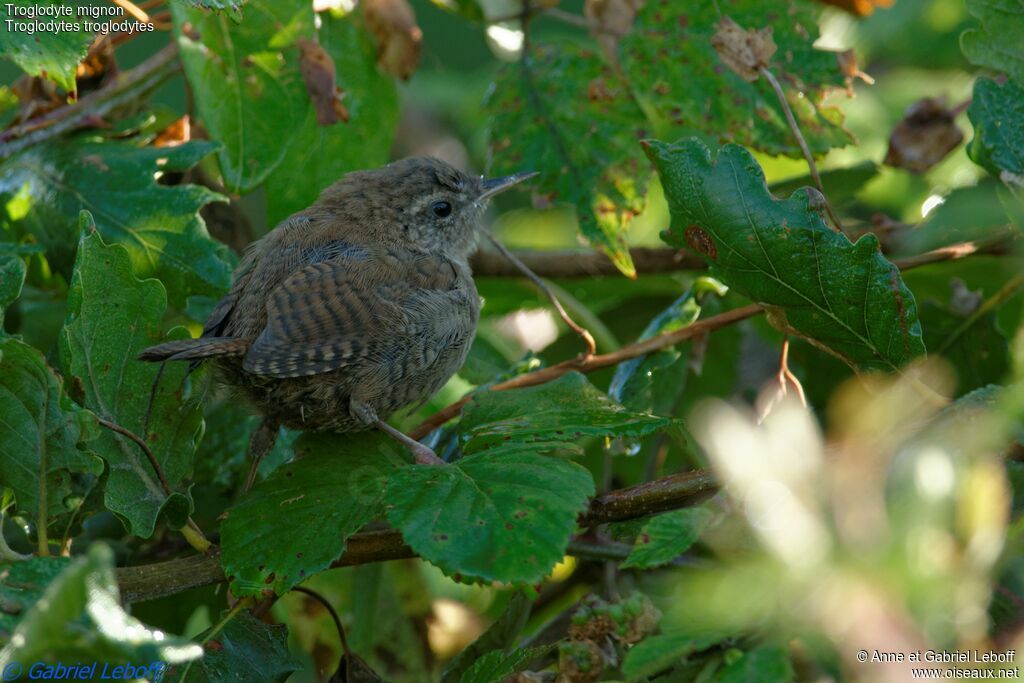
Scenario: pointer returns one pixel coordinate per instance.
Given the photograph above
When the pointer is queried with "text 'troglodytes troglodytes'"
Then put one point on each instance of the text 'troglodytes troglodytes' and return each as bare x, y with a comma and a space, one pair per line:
356, 307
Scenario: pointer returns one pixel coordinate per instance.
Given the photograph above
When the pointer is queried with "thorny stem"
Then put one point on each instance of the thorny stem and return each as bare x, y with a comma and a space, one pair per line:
791, 120
588, 339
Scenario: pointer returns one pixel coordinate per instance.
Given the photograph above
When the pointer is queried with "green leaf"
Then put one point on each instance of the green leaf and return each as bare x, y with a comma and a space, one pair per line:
997, 113
845, 298
976, 348
566, 115
52, 54
497, 666
500, 636
296, 521
234, 7
764, 664
667, 536
12, 278
685, 89
22, 583
467, 9
841, 184
111, 317
80, 617
246, 649
246, 82
504, 515
657, 653
364, 141
158, 225
547, 415
999, 43
41, 434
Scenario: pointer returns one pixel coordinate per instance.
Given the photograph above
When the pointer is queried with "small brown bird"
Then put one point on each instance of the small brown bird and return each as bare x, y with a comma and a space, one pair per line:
360, 305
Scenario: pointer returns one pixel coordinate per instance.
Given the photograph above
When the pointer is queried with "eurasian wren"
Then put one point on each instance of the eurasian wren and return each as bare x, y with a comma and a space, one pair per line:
360, 305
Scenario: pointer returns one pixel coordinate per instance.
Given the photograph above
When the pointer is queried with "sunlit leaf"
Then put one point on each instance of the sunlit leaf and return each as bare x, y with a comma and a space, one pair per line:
846, 298
518, 510
112, 316
22, 583
274, 537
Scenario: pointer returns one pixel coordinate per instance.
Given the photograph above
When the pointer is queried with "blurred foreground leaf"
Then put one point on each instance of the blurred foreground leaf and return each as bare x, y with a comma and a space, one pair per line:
997, 112
999, 43
246, 649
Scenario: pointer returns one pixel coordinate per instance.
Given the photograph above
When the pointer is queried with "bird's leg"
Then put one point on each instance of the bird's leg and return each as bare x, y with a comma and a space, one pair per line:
260, 443
424, 455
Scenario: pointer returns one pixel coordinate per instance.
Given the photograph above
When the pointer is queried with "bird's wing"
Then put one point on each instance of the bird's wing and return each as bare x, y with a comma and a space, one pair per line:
334, 313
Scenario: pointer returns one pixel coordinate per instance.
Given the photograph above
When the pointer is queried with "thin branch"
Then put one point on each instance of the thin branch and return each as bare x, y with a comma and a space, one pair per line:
158, 580
147, 451
791, 120
333, 612
588, 339
127, 87
574, 263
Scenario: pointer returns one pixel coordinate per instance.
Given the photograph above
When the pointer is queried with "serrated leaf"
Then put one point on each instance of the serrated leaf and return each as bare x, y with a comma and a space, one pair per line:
363, 141
22, 583
764, 664
999, 42
296, 521
499, 636
997, 113
976, 348
685, 89
12, 278
515, 513
111, 317
41, 436
667, 536
246, 649
544, 416
657, 653
158, 225
495, 667
80, 617
563, 113
50, 54
845, 298
246, 82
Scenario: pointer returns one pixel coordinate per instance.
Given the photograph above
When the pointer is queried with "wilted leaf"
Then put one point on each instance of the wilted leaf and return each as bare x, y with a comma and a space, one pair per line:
111, 317
862, 8
518, 510
52, 54
548, 416
999, 42
41, 435
318, 72
79, 617
362, 142
685, 89
246, 649
924, 136
569, 117
393, 25
22, 583
997, 113
274, 537
667, 536
158, 225
846, 298
246, 82
743, 51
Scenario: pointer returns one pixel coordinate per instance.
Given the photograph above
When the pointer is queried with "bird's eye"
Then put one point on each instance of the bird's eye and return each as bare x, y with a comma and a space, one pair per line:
441, 209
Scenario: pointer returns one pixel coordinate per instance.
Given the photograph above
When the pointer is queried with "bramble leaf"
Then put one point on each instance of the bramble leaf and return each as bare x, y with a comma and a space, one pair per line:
274, 537
116, 182
566, 115
667, 536
516, 512
111, 317
845, 298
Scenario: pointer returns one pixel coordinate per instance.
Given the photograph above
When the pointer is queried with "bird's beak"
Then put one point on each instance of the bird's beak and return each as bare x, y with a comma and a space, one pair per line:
496, 185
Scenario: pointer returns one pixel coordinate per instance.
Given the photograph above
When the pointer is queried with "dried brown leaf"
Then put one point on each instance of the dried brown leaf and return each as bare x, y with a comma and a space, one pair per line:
178, 132
850, 69
743, 50
393, 25
925, 135
609, 21
861, 8
318, 72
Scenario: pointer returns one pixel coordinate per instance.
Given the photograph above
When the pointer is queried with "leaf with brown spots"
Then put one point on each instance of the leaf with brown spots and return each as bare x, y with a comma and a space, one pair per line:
393, 25
844, 297
925, 135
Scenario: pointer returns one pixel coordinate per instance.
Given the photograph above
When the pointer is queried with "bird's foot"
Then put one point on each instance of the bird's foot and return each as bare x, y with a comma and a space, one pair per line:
424, 455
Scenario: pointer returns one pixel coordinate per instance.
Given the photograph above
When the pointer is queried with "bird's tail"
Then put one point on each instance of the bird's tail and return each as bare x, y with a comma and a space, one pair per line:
196, 349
